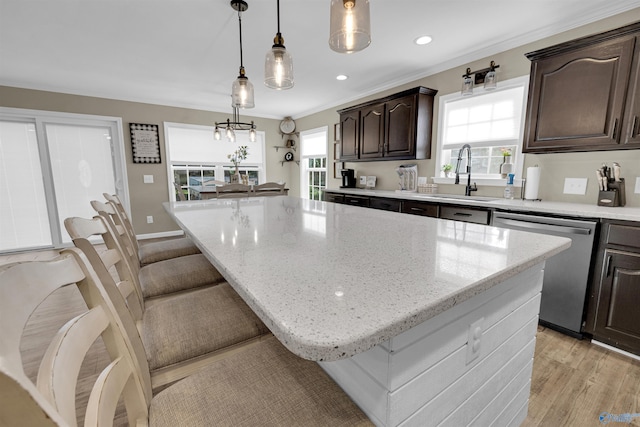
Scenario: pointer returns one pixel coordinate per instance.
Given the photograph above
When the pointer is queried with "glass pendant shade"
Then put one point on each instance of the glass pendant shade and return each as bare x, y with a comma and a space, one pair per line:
350, 26
278, 68
490, 80
216, 134
242, 92
252, 135
467, 86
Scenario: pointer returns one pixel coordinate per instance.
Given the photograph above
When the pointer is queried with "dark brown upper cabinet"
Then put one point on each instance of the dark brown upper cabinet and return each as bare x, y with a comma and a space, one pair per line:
349, 129
397, 127
583, 94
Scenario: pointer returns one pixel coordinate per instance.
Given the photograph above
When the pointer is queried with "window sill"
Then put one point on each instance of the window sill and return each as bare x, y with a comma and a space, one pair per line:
489, 182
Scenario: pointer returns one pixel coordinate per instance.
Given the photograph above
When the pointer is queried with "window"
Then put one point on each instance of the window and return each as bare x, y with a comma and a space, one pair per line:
54, 165
491, 122
313, 163
196, 158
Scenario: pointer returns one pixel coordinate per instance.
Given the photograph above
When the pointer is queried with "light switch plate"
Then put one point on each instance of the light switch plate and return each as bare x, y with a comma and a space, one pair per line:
637, 189
147, 179
575, 186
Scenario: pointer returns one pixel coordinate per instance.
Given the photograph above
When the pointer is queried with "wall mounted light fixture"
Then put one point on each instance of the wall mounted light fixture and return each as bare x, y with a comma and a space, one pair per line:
486, 75
350, 25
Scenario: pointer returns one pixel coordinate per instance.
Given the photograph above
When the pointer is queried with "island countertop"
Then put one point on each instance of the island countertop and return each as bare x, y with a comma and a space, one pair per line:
331, 280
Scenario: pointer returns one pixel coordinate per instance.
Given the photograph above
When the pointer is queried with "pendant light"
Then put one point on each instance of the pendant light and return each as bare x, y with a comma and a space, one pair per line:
278, 66
242, 88
350, 26
241, 94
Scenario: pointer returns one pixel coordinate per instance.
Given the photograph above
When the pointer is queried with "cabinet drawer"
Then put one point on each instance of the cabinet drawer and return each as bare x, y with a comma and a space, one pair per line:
356, 200
334, 198
624, 235
385, 204
420, 208
477, 216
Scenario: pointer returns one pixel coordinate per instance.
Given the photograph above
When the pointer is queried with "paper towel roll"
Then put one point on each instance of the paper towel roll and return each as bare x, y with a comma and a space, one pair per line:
532, 184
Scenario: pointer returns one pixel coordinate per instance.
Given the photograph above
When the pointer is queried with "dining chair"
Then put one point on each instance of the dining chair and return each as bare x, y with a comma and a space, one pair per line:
161, 277
181, 332
268, 189
179, 192
232, 191
151, 252
262, 385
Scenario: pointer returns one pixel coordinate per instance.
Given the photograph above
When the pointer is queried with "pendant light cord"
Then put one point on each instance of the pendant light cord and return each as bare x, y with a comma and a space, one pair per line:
240, 27
278, 9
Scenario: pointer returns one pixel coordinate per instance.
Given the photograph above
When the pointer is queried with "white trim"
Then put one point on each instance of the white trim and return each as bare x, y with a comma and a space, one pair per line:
523, 82
260, 136
304, 182
615, 350
40, 118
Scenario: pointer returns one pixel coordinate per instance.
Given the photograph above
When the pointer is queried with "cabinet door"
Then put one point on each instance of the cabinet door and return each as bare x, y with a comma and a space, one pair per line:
618, 314
632, 120
350, 199
371, 131
420, 208
400, 124
385, 204
576, 99
349, 122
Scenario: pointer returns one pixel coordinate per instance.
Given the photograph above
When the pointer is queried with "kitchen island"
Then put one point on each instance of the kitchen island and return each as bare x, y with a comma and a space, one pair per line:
420, 320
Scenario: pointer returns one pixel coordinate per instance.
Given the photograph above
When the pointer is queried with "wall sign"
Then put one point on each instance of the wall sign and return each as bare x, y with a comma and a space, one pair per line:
145, 143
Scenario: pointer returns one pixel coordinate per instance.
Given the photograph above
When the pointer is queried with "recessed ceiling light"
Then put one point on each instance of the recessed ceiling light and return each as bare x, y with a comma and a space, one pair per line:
341, 77
422, 40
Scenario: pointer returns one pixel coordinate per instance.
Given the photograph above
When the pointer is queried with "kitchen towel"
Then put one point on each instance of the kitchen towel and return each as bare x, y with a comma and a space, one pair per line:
532, 184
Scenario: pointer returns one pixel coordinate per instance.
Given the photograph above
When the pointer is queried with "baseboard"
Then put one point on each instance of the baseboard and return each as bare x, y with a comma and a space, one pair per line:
160, 235
616, 350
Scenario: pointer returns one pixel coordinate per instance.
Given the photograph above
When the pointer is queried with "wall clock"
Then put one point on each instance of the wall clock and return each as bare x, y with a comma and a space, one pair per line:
287, 126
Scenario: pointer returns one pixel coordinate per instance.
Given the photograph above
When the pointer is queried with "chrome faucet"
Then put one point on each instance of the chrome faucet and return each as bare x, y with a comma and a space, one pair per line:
468, 189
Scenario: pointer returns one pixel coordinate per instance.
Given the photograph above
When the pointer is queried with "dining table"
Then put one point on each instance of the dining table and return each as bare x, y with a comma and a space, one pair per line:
418, 319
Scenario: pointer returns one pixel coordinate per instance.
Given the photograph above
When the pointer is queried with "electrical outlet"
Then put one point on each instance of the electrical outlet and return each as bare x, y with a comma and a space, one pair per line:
147, 179
575, 186
474, 337
149, 219
637, 190
363, 180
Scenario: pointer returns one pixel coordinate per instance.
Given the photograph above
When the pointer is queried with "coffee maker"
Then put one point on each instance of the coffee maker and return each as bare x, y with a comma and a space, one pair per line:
348, 178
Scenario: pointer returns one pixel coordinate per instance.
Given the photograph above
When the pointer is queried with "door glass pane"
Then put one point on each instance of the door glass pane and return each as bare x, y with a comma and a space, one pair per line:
82, 168
25, 220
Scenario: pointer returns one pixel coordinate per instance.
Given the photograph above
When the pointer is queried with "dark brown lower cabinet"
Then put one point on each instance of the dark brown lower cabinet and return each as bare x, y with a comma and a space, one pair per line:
385, 204
420, 208
614, 312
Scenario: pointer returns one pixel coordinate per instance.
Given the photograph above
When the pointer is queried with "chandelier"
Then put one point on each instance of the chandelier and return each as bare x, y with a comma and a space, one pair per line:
241, 91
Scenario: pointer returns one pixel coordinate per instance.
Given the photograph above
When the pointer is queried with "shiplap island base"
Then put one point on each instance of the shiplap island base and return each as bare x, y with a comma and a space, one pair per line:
423, 322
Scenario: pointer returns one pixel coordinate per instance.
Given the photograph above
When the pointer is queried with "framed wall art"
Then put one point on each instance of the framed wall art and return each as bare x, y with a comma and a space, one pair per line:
145, 143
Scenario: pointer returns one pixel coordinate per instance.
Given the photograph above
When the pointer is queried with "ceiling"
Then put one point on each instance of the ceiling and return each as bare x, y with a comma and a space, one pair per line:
185, 53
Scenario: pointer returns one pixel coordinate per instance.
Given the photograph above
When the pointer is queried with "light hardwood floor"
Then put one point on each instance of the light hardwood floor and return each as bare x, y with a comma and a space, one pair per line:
573, 381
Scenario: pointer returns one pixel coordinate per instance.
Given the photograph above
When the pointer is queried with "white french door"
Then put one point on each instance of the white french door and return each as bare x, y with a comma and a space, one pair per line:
52, 166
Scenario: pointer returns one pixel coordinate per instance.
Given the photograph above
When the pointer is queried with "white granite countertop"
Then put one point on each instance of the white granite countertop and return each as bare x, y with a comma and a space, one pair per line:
557, 208
332, 280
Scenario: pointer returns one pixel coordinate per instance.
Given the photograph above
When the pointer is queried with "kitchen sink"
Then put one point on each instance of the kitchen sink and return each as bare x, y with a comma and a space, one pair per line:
457, 197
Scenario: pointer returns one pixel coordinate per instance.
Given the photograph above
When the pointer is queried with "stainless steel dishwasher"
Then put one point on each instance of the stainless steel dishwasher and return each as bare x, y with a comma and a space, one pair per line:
566, 275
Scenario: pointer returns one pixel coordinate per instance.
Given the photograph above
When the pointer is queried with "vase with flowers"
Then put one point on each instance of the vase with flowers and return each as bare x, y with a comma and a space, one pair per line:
236, 157
506, 167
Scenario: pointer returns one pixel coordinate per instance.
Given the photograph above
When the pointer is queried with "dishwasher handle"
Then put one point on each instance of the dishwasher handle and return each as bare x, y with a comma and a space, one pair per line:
561, 229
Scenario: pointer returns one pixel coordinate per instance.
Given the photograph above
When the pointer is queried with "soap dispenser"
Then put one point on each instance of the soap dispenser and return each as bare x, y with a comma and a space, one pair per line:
508, 190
